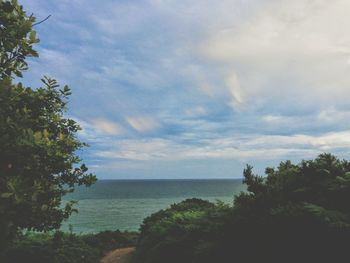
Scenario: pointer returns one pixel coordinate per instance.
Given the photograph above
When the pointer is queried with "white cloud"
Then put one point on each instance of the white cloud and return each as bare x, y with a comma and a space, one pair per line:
333, 116
239, 147
327, 119
106, 126
272, 118
196, 112
139, 149
142, 124
52, 63
288, 49
235, 91
238, 79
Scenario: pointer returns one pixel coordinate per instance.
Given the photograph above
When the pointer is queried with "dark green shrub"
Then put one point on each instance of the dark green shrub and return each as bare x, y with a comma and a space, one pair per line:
180, 232
297, 212
66, 248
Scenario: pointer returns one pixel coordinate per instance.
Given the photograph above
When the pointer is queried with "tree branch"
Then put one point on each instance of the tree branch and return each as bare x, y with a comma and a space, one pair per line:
35, 24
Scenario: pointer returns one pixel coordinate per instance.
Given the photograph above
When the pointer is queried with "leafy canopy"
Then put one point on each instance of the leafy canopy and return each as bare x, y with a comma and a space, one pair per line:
17, 38
317, 188
38, 144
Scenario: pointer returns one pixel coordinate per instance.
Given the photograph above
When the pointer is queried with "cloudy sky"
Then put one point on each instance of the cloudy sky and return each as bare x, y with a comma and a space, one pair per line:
197, 89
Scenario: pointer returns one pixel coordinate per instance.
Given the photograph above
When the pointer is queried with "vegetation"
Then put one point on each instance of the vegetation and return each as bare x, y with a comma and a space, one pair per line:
38, 145
17, 38
181, 232
66, 248
297, 212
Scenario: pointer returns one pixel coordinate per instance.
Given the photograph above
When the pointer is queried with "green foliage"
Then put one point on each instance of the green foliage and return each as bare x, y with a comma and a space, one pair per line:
37, 164
180, 233
66, 248
297, 209
16, 39
297, 212
319, 189
38, 161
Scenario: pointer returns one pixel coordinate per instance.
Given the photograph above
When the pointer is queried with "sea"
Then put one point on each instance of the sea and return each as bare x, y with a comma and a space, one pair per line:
123, 204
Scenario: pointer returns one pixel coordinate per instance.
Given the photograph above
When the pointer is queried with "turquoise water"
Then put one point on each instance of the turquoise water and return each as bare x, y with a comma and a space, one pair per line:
123, 204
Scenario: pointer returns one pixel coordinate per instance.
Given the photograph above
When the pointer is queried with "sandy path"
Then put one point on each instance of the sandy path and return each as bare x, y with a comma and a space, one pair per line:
121, 255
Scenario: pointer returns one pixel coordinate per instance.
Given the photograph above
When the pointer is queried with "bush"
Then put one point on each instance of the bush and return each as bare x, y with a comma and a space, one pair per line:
297, 212
66, 248
181, 232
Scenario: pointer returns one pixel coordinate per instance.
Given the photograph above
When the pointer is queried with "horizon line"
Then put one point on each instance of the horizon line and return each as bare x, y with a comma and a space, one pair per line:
164, 179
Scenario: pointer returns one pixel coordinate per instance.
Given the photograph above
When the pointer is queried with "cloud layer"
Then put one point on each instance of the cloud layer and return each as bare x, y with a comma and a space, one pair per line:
184, 88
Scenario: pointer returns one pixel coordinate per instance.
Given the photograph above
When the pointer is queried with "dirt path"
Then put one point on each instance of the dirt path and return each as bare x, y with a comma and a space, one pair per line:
121, 255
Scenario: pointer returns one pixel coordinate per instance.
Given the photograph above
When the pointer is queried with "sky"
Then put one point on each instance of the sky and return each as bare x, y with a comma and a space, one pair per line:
198, 89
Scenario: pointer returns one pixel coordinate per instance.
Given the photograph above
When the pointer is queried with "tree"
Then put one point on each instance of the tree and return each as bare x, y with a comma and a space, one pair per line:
38, 161
300, 210
318, 189
16, 39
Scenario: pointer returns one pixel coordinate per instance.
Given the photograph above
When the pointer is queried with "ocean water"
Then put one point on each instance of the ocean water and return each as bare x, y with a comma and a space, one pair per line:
123, 204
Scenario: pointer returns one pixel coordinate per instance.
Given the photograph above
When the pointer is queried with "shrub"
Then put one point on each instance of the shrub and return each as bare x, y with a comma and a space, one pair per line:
66, 248
179, 233
297, 212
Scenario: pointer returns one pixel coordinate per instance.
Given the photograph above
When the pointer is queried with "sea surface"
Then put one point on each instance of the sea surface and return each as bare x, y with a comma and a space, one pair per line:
123, 204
